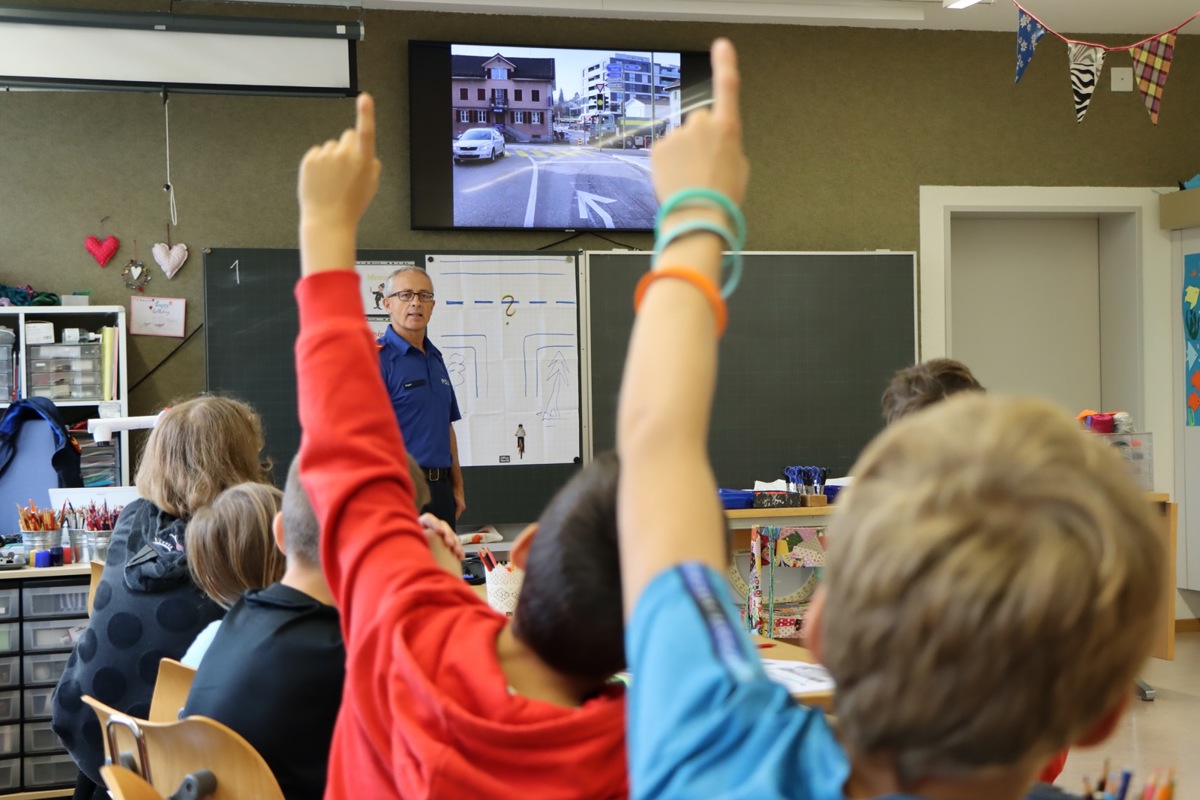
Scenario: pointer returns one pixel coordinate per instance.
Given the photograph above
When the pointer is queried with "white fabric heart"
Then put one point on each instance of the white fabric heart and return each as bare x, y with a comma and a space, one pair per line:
136, 272
170, 259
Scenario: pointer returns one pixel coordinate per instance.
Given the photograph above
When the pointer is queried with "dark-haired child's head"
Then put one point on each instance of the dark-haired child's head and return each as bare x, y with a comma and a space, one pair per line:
569, 610
301, 531
924, 384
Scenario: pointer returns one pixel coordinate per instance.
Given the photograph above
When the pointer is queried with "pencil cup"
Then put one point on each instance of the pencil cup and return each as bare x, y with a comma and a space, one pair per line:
97, 542
503, 587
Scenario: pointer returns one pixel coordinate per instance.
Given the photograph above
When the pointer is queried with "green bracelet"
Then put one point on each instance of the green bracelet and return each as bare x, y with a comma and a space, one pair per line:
733, 260
690, 198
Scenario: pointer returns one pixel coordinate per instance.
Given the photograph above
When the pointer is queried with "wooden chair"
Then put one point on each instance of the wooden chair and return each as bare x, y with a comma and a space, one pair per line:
97, 572
164, 753
125, 785
170, 690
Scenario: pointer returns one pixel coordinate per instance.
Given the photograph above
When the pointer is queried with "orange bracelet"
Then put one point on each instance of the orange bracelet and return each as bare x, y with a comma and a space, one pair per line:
695, 278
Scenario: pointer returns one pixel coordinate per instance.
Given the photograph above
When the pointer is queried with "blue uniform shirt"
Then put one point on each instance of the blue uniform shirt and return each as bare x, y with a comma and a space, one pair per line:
422, 397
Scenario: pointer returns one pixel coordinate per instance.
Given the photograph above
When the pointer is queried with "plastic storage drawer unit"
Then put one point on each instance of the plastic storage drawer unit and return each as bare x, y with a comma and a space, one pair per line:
40, 739
10, 740
45, 669
10, 706
57, 634
37, 703
50, 771
10, 637
47, 351
8, 672
55, 601
10, 774
8, 604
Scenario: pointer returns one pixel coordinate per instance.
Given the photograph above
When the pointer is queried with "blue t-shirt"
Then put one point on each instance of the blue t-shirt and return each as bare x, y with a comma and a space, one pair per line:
422, 397
704, 719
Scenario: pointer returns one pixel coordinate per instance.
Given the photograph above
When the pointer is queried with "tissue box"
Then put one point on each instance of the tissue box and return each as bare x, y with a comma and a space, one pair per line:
39, 333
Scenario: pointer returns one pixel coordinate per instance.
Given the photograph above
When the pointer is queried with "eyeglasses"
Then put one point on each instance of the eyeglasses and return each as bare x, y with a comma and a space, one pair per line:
406, 296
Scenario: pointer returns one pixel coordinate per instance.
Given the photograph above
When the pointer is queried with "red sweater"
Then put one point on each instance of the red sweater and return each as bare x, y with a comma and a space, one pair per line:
426, 711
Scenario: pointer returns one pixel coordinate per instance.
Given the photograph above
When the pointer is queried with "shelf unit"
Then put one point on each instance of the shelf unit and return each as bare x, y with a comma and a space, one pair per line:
16, 375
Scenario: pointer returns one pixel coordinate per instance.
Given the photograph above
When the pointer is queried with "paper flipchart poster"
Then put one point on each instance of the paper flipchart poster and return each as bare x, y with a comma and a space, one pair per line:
507, 327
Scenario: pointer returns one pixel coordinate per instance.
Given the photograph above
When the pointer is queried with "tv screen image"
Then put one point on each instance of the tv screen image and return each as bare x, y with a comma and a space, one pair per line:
510, 137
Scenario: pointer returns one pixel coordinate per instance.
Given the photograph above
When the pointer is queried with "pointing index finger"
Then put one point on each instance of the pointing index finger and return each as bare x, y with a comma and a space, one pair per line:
366, 124
725, 81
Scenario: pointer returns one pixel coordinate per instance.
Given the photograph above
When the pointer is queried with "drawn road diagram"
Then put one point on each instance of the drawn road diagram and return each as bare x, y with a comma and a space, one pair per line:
507, 326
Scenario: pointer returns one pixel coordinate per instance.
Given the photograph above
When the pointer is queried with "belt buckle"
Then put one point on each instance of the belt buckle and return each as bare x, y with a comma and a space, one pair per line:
434, 474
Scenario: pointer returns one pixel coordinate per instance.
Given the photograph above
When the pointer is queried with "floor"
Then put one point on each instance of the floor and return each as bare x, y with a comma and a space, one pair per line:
1154, 735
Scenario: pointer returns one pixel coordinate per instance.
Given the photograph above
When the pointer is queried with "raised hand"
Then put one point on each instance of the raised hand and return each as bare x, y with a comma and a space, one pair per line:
706, 152
338, 180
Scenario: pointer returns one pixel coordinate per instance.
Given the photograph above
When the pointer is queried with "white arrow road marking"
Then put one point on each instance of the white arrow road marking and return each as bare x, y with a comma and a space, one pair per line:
531, 205
588, 200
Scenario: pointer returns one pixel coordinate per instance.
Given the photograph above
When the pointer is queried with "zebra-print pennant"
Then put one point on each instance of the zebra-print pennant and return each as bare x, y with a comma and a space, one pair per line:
1151, 63
1029, 30
1086, 63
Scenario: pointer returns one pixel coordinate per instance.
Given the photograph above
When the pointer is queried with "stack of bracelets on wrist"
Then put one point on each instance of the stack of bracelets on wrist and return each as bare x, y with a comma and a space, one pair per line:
735, 240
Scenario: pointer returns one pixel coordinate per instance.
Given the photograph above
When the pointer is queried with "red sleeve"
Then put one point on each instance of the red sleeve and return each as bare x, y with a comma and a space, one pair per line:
352, 463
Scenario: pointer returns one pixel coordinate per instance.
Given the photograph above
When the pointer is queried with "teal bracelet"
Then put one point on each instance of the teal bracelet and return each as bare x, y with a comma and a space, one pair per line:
733, 260
690, 198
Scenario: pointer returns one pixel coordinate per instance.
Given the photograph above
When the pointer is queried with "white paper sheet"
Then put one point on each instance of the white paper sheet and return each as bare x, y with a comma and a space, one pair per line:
507, 328
798, 677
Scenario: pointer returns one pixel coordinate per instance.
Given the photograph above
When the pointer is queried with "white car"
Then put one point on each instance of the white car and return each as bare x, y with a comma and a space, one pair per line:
477, 144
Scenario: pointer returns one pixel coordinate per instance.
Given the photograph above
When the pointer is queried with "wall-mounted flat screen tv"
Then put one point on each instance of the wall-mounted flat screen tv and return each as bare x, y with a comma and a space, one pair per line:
540, 138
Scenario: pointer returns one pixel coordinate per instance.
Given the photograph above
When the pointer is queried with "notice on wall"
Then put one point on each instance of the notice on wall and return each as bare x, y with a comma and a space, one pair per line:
373, 277
157, 316
1191, 336
507, 327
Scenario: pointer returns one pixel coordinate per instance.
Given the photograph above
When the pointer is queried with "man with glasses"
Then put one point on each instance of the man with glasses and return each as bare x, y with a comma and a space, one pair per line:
419, 385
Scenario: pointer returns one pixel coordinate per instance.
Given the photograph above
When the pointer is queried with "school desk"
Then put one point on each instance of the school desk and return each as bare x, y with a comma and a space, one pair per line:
741, 520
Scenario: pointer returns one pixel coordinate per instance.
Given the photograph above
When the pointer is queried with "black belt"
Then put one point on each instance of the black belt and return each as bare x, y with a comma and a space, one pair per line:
435, 474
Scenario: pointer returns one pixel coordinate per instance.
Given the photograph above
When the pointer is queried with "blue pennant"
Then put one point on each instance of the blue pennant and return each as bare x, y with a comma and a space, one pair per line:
1029, 31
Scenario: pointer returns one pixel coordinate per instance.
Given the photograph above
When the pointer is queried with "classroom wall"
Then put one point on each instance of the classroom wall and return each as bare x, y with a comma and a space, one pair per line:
843, 126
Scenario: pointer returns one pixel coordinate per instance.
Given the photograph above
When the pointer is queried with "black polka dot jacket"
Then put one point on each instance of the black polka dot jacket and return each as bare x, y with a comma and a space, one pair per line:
146, 608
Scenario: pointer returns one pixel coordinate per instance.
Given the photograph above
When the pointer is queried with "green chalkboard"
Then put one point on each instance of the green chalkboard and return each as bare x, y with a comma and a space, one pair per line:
813, 339
251, 324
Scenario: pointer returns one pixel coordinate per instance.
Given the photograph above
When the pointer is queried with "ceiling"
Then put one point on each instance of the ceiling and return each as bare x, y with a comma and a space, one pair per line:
1064, 16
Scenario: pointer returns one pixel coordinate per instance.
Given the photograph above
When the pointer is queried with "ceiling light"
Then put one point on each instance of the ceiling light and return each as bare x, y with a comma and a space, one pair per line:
958, 3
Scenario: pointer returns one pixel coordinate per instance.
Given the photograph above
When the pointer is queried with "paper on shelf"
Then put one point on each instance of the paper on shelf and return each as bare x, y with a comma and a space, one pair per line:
797, 676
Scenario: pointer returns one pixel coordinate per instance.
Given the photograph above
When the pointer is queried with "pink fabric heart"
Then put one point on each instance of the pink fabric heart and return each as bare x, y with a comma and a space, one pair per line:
170, 259
102, 250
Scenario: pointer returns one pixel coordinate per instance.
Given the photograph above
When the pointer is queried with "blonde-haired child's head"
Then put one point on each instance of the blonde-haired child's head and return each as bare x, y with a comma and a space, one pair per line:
993, 585
231, 544
199, 448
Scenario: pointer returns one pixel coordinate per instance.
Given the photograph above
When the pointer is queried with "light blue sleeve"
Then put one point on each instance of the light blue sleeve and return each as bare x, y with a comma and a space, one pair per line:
704, 719
195, 653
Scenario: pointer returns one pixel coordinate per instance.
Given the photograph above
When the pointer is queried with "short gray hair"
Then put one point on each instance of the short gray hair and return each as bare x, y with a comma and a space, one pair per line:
407, 268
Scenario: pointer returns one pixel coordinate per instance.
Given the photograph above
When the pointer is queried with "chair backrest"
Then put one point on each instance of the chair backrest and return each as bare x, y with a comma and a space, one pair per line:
164, 753
125, 785
97, 574
170, 690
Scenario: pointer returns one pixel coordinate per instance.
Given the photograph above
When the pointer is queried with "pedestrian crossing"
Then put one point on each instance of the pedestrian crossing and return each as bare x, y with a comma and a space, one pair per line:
549, 152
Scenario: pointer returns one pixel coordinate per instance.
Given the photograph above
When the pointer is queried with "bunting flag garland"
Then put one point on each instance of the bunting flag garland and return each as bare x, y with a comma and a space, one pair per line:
1086, 63
1029, 31
1151, 60
1151, 63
